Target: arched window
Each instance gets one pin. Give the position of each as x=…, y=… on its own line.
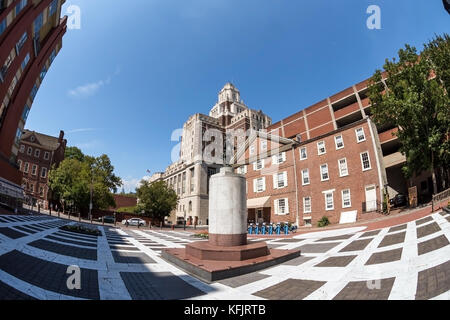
x=190, y=206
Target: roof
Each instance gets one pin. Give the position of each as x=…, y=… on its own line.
x=44, y=140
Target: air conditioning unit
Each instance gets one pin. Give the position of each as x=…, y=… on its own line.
x=299, y=138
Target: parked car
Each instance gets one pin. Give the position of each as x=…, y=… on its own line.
x=107, y=219
x=398, y=200
x=134, y=222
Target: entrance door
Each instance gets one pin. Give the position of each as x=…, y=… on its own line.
x=371, y=198
x=259, y=216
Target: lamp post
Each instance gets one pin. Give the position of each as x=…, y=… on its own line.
x=184, y=221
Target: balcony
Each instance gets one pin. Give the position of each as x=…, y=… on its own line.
x=388, y=135
x=346, y=111
x=393, y=159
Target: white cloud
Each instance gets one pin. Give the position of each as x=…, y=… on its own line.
x=81, y=130
x=87, y=90
x=131, y=184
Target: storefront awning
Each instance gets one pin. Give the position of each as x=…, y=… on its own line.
x=255, y=203
x=10, y=189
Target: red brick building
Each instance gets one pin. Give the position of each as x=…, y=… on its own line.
x=31, y=34
x=38, y=153
x=330, y=160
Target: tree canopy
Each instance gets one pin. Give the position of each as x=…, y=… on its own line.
x=414, y=97
x=72, y=179
x=156, y=199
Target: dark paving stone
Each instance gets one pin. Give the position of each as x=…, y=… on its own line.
x=115, y=247
x=366, y=290
x=297, y=261
x=317, y=247
x=131, y=257
x=49, y=275
x=398, y=228
x=424, y=220
x=72, y=237
x=158, y=286
x=33, y=227
x=432, y=244
x=443, y=213
x=11, y=233
x=289, y=240
x=290, y=289
x=448, y=219
x=10, y=219
x=343, y=237
x=433, y=282
x=243, y=280
x=82, y=253
x=339, y=261
x=24, y=229
x=370, y=233
x=356, y=245
x=3, y=220
x=385, y=256
x=9, y=293
x=79, y=243
x=427, y=230
x=392, y=239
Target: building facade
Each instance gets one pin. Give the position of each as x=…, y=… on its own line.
x=31, y=34
x=203, y=139
x=38, y=153
x=329, y=159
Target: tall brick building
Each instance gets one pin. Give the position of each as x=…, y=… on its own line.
x=330, y=160
x=38, y=153
x=31, y=34
x=199, y=159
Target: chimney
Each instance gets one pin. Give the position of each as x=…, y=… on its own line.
x=61, y=136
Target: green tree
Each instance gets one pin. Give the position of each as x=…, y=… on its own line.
x=156, y=199
x=74, y=153
x=414, y=98
x=73, y=178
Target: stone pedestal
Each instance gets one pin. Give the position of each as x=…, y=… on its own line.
x=227, y=252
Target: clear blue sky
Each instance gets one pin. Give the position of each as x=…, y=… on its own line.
x=133, y=74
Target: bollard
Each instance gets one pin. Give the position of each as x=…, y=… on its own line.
x=257, y=229
x=250, y=228
x=278, y=228
x=263, y=228
x=286, y=228
x=270, y=228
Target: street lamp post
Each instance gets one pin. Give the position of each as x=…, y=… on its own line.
x=184, y=221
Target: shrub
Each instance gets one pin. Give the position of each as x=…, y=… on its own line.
x=323, y=222
x=78, y=228
x=202, y=234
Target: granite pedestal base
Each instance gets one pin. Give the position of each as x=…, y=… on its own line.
x=211, y=263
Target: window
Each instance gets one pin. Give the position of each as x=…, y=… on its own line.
x=25, y=113
x=281, y=206
x=22, y=4
x=305, y=177
x=41, y=191
x=37, y=153
x=21, y=42
x=321, y=148
x=29, y=151
x=52, y=7
x=26, y=167
x=365, y=161
x=307, y=205
x=32, y=187
x=263, y=145
x=346, y=202
x=360, y=136
x=339, y=141
x=252, y=150
x=343, y=169
x=280, y=180
x=25, y=61
x=52, y=56
x=46, y=155
x=279, y=158
x=34, y=91
x=43, y=72
x=43, y=172
x=19, y=163
x=329, y=202
x=259, y=185
x=192, y=186
x=258, y=165
x=18, y=135
x=303, y=154
x=324, y=172
x=22, y=149
x=242, y=169
x=38, y=23
x=34, y=169
x=2, y=26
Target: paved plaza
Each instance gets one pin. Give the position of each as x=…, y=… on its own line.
x=410, y=261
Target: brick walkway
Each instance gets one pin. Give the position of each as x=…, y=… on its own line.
x=401, y=257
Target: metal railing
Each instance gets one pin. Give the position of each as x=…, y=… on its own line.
x=438, y=198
